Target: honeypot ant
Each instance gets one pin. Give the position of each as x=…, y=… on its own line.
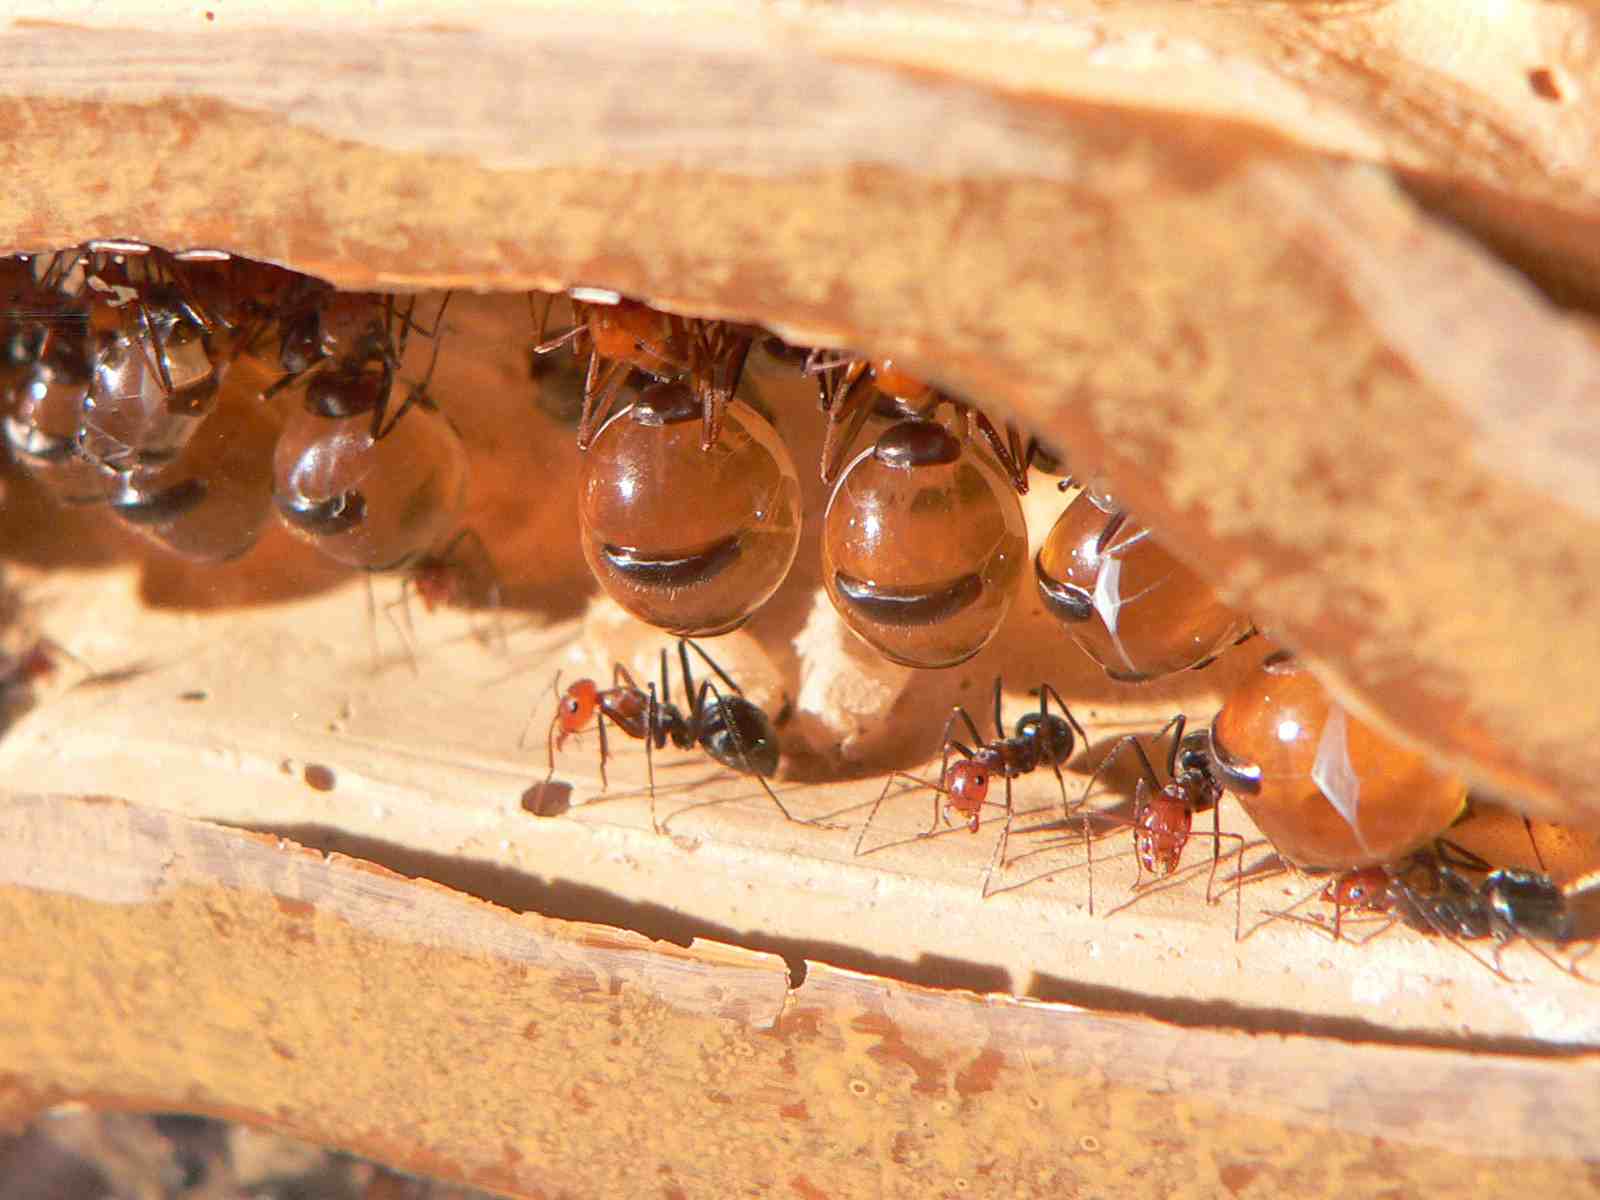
x=1163, y=813
x=1040, y=738
x=731, y=729
x=622, y=335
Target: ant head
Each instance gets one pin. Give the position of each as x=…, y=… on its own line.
x=1367, y=888
x=576, y=707
x=967, y=783
x=38, y=662
x=435, y=581
x=1162, y=821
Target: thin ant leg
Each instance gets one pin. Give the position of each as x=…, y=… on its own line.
x=1012, y=465
x=706, y=686
x=850, y=408
x=1538, y=854
x=884, y=794
x=999, y=724
x=652, y=719
x=419, y=393
x=601, y=386
x=998, y=858
x=522, y=742
x=372, y=618
x=1088, y=788
x=819, y=366
x=403, y=603
x=1422, y=910
x=727, y=680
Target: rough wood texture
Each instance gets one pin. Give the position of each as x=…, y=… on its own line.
x=1117, y=219
x=231, y=973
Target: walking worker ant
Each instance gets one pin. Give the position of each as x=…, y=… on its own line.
x=731, y=729
x=1163, y=813
x=1041, y=738
x=1430, y=892
x=622, y=336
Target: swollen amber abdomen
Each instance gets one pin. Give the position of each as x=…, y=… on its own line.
x=922, y=545
x=692, y=541
x=1129, y=605
x=1326, y=789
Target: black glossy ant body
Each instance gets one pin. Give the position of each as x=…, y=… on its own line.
x=1040, y=738
x=728, y=727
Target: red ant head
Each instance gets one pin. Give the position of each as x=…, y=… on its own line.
x=967, y=783
x=576, y=708
x=38, y=663
x=1161, y=826
x=1367, y=888
x=435, y=583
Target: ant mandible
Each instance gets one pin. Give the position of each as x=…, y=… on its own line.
x=731, y=729
x=1041, y=738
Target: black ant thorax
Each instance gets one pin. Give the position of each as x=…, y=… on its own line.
x=1049, y=736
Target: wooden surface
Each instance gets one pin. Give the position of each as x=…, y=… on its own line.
x=232, y=973
x=1335, y=405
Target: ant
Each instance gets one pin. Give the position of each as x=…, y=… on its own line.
x=898, y=394
x=1163, y=813
x=729, y=728
x=622, y=335
x=1430, y=893
x=1041, y=738
x=444, y=577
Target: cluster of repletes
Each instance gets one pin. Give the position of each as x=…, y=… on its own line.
x=141, y=379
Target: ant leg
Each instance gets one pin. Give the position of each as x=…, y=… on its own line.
x=605, y=750
x=1538, y=854
x=848, y=412
x=403, y=603
x=522, y=742
x=1011, y=465
x=884, y=795
x=709, y=661
x=372, y=618
x=600, y=390
x=1088, y=789
x=652, y=714
x=997, y=860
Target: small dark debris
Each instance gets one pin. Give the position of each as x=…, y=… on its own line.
x=1544, y=84
x=197, y=696
x=320, y=778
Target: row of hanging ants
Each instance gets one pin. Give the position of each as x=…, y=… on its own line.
x=115, y=361
x=114, y=357
x=1440, y=888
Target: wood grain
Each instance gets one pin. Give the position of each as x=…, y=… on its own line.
x=197, y=967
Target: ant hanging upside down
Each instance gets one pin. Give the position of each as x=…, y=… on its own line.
x=728, y=727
